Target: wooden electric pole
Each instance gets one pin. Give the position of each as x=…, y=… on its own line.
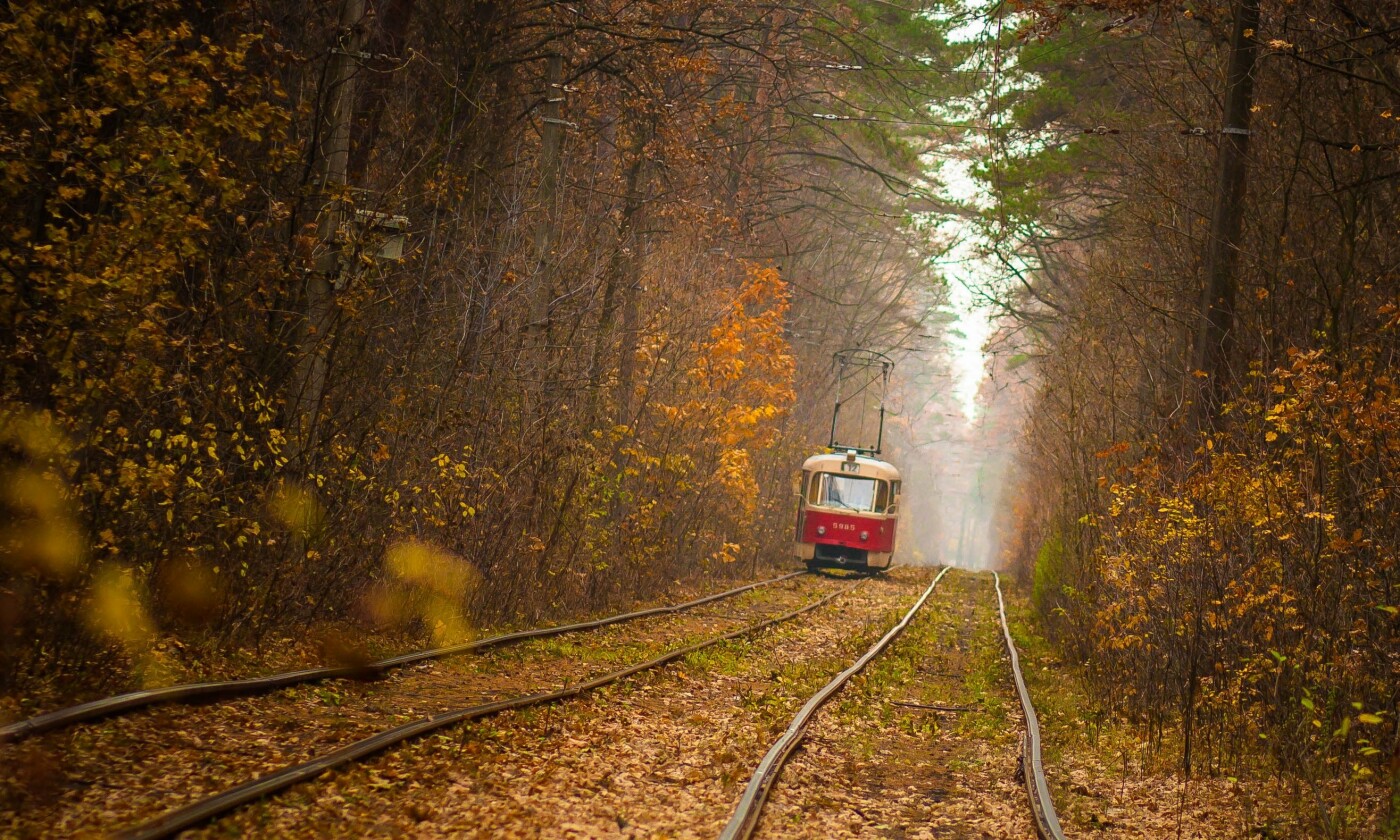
x=551, y=157
x=1211, y=353
x=337, y=108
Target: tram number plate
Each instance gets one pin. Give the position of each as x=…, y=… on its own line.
x=850, y=466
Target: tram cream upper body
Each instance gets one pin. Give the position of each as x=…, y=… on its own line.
x=851, y=464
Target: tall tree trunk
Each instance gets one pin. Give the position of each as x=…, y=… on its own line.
x=622, y=271
x=630, y=282
x=547, y=200
x=388, y=29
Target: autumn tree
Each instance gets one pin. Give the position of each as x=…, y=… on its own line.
x=233, y=406
x=1232, y=577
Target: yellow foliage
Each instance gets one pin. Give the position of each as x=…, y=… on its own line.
x=430, y=568
x=434, y=585
x=117, y=608
x=1253, y=562
x=39, y=532
x=297, y=508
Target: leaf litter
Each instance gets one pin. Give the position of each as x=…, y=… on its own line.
x=664, y=754
x=91, y=779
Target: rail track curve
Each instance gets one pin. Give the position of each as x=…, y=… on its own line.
x=206, y=692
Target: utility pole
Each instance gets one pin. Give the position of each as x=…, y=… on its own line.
x=551, y=156
x=337, y=108
x=1211, y=354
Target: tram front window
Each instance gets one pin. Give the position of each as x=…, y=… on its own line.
x=847, y=492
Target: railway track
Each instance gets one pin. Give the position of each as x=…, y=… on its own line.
x=849, y=627
x=206, y=692
x=745, y=818
x=578, y=677
x=205, y=809
x=1047, y=822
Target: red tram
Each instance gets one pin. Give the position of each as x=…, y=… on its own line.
x=849, y=499
x=847, y=515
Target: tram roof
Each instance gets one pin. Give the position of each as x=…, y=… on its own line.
x=865, y=465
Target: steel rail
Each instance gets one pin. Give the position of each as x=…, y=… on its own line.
x=224, y=689
x=745, y=817
x=210, y=807
x=1047, y=823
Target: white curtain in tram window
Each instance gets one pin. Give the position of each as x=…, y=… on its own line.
x=849, y=492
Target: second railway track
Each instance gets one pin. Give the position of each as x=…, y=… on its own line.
x=94, y=778
x=656, y=737
x=227, y=689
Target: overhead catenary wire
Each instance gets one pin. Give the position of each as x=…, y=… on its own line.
x=996, y=74
x=1099, y=130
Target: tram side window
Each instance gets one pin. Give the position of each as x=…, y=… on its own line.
x=882, y=496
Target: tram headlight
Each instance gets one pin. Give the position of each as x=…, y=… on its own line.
x=821, y=530
x=864, y=535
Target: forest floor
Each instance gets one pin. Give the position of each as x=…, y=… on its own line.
x=662, y=754
x=1112, y=780
x=922, y=744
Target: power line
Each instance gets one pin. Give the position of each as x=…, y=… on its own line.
x=1097, y=130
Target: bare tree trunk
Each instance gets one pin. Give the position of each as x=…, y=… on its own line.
x=388, y=22
x=621, y=277
x=551, y=148
x=627, y=361
x=630, y=281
